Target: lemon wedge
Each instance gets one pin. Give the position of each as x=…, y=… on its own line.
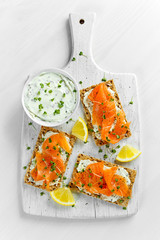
x=63, y=196
x=128, y=153
x=80, y=129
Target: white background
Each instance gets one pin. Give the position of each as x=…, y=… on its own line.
x=35, y=35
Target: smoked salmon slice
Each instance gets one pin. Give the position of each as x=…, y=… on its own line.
x=49, y=162
x=55, y=140
x=96, y=179
x=111, y=121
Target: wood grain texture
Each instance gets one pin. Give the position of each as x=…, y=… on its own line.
x=86, y=70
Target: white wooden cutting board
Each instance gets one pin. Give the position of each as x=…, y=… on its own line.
x=86, y=70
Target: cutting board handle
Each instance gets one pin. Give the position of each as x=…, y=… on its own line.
x=81, y=31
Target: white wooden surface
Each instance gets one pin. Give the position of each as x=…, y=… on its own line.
x=35, y=35
x=84, y=69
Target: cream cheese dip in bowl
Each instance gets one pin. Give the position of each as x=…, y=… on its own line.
x=50, y=97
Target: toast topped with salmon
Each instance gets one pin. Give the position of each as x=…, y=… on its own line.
x=49, y=159
x=104, y=113
x=101, y=179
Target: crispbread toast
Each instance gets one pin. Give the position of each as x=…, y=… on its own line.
x=43, y=131
x=122, y=201
x=111, y=85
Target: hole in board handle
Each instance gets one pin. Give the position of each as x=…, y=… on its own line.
x=81, y=21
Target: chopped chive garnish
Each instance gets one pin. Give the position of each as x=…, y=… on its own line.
x=118, y=146
x=40, y=106
x=39, y=99
x=112, y=99
x=47, y=147
x=102, y=103
x=113, y=150
x=100, y=150
x=91, y=130
x=90, y=184
x=64, y=178
x=104, y=79
x=104, y=117
x=50, y=91
x=50, y=140
x=116, y=179
x=131, y=102
x=108, y=139
x=48, y=84
x=105, y=156
x=112, y=190
x=45, y=113
x=82, y=184
x=52, y=99
x=45, y=90
x=129, y=197
x=59, y=85
x=28, y=148
x=101, y=186
x=67, y=154
x=118, y=114
x=42, y=139
x=38, y=93
x=118, y=136
x=43, y=159
x=107, y=145
x=57, y=111
x=44, y=175
x=118, y=187
x=73, y=59
x=35, y=99
x=42, y=193
x=25, y=167
x=81, y=53
x=80, y=82
x=63, y=95
x=42, y=85
x=124, y=208
x=45, y=167
x=30, y=123
x=74, y=90
x=60, y=104
x=54, y=147
x=52, y=168
x=76, y=165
